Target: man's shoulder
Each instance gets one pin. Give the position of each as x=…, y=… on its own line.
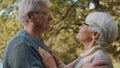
x=21, y=36
x=17, y=39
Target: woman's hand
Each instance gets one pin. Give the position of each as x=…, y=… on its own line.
x=54, y=55
x=47, y=58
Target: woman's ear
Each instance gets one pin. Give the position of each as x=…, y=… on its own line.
x=95, y=35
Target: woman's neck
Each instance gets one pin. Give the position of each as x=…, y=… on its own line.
x=88, y=45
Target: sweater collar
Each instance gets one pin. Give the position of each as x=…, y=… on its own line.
x=86, y=53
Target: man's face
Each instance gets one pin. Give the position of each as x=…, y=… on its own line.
x=42, y=18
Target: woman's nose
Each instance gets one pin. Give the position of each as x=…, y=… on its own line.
x=80, y=26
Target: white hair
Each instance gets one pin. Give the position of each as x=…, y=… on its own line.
x=26, y=6
x=103, y=24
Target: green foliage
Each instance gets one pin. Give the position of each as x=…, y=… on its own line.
x=67, y=16
x=9, y=23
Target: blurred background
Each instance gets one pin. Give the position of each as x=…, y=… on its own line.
x=68, y=15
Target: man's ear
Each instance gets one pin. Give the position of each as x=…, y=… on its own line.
x=29, y=16
x=95, y=35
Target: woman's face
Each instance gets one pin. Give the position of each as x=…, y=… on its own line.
x=84, y=34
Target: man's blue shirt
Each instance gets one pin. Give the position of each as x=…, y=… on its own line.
x=22, y=52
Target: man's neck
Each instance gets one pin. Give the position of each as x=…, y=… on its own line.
x=34, y=32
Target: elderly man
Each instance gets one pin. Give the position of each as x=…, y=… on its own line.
x=22, y=50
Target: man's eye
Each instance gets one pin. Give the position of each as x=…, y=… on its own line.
x=45, y=13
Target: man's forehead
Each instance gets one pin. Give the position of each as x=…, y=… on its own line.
x=44, y=6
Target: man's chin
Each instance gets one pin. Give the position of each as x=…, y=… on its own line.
x=46, y=30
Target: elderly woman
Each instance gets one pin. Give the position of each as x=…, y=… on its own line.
x=98, y=31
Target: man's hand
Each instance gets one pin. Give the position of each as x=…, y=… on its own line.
x=98, y=64
x=47, y=59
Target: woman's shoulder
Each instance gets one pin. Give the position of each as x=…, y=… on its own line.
x=102, y=55
x=100, y=52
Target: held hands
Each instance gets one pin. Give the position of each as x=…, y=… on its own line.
x=47, y=58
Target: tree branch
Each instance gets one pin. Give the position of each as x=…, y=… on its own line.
x=69, y=10
x=65, y=27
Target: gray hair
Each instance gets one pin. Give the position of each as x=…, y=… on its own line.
x=103, y=24
x=26, y=6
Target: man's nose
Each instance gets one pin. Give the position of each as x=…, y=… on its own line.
x=50, y=17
